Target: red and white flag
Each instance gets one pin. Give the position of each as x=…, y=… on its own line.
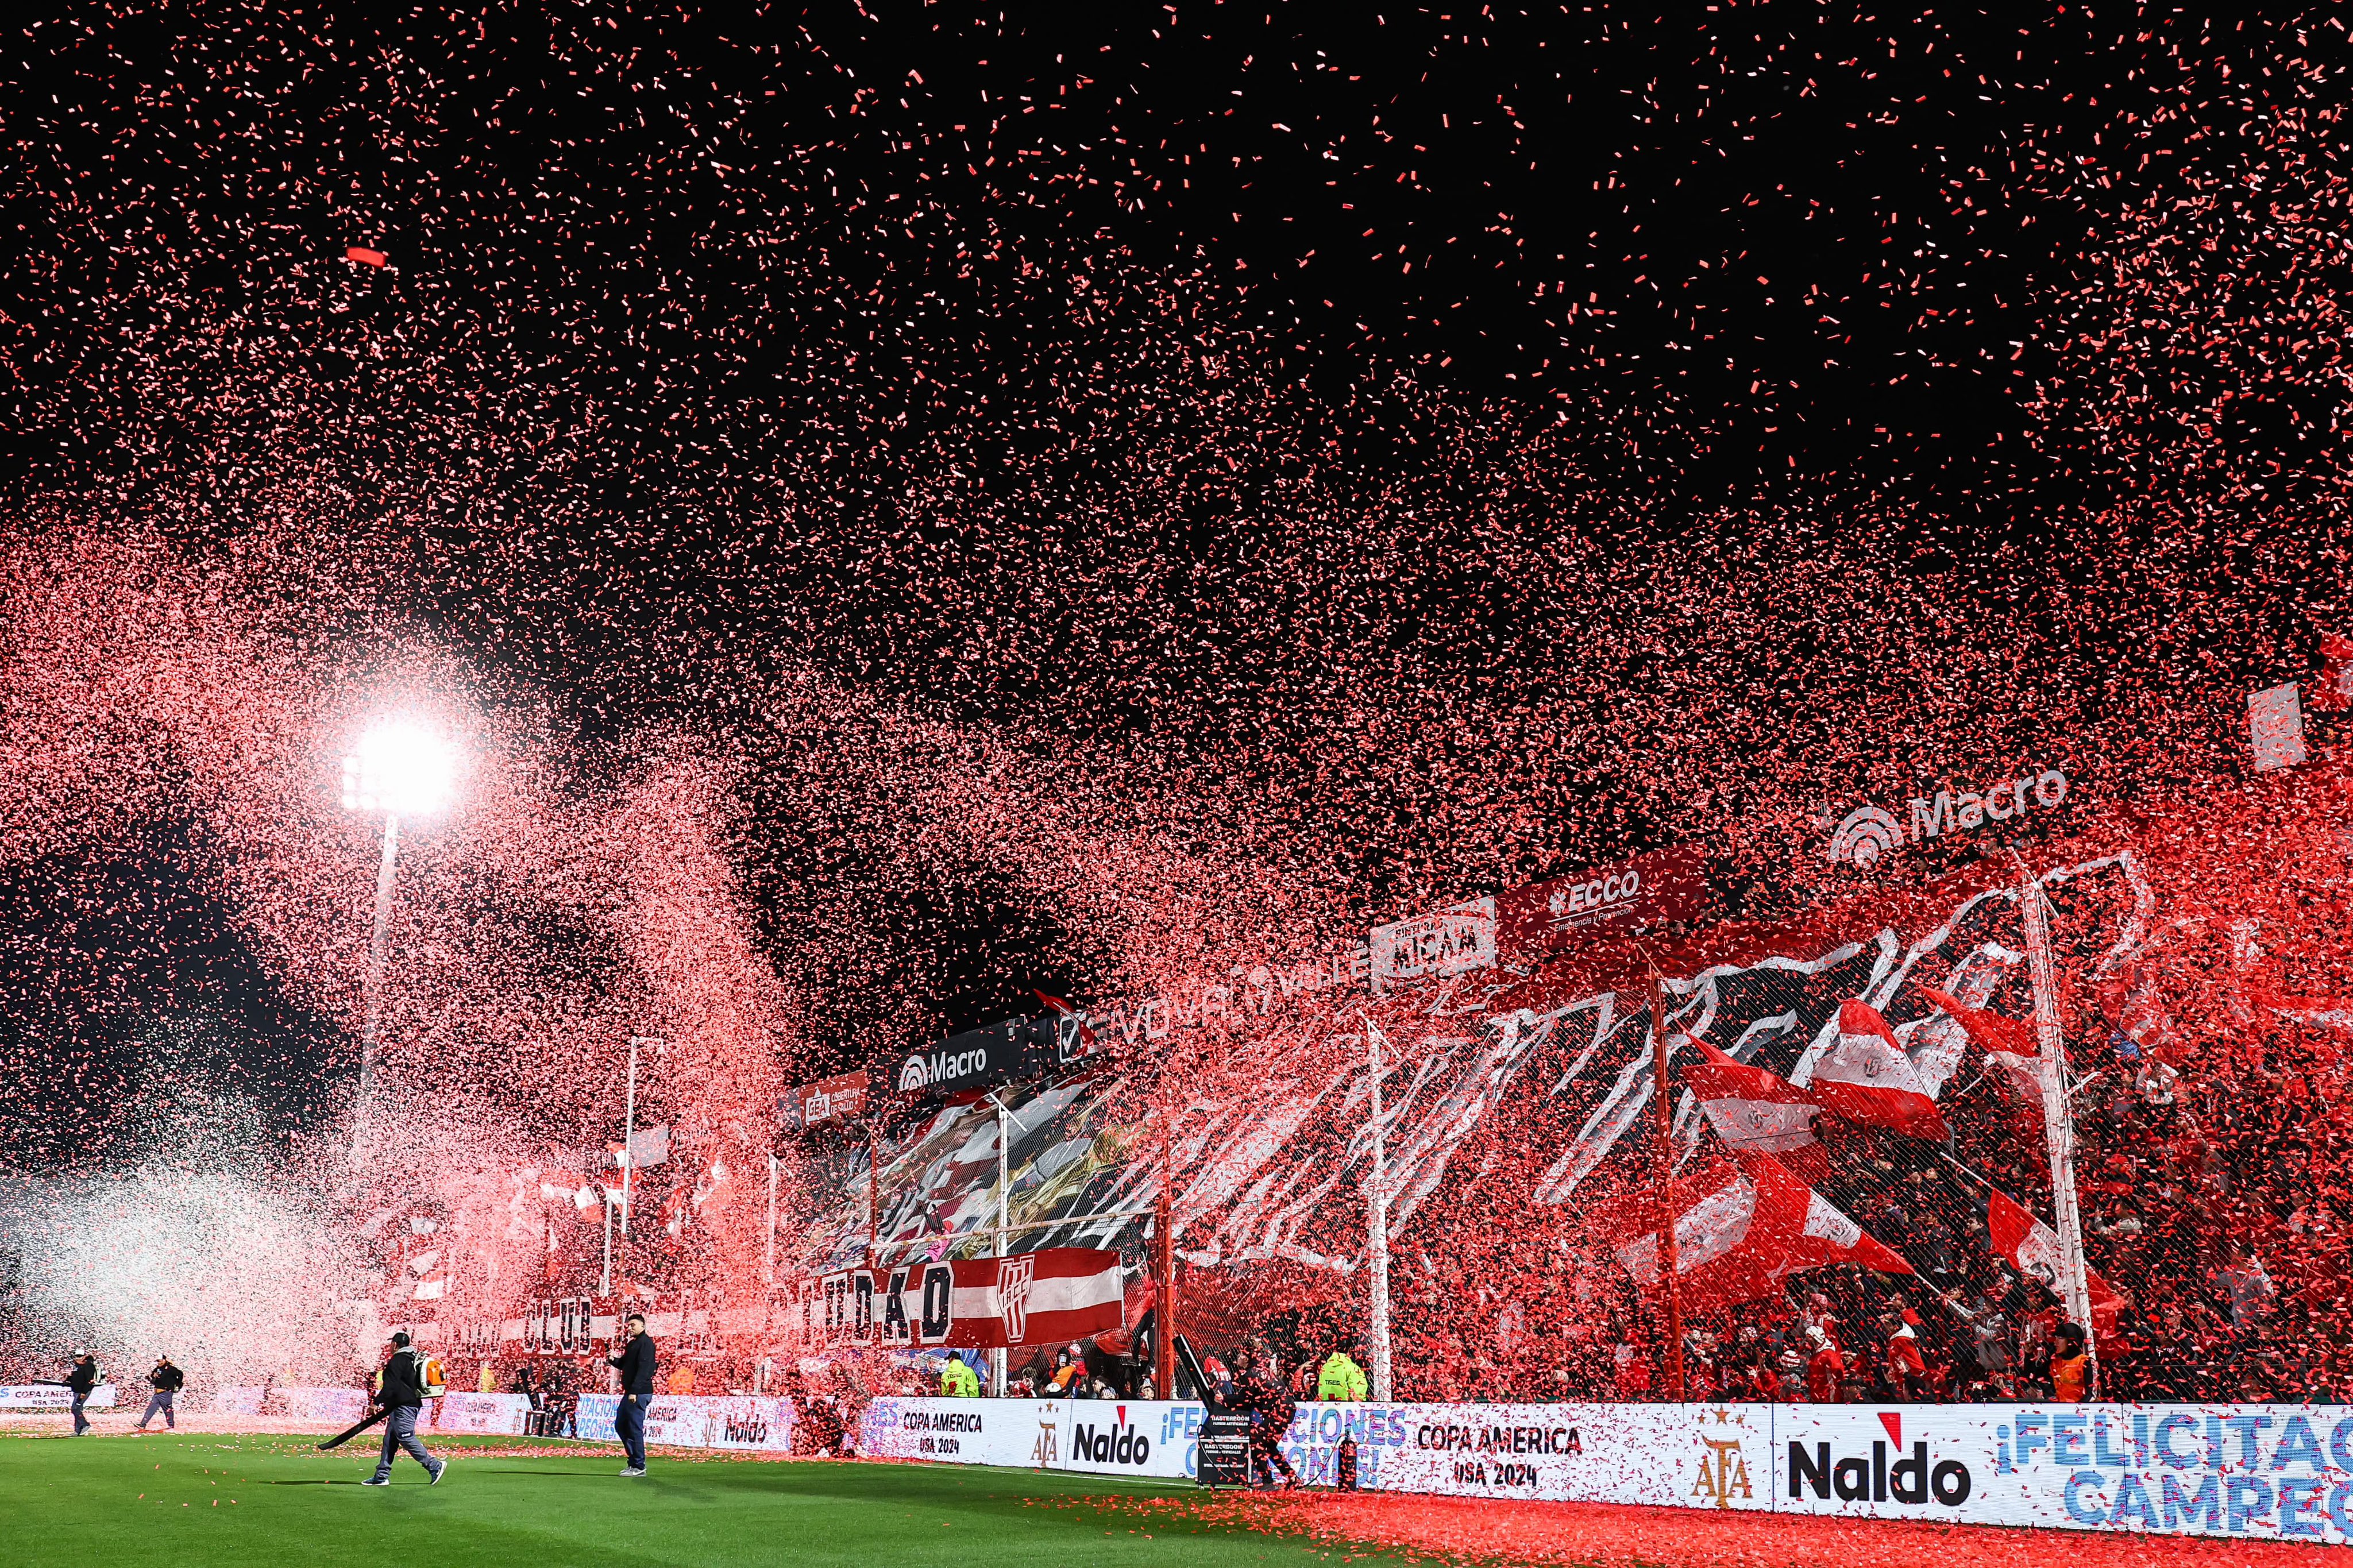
x=1738, y=1242
x=1051, y=1296
x=1753, y=1110
x=2009, y=1044
x=1867, y=1077
x=2032, y=1248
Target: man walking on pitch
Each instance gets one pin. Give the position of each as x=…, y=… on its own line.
x=401, y=1390
x=636, y=1364
x=167, y=1381
x=80, y=1381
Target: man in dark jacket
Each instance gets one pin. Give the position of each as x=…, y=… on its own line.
x=1271, y=1409
x=81, y=1380
x=167, y=1381
x=636, y=1366
x=401, y=1390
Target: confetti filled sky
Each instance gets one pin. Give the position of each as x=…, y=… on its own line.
x=925, y=502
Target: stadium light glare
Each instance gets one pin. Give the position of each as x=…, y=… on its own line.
x=401, y=769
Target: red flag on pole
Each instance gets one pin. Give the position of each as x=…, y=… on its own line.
x=2333, y=693
x=1753, y=1110
x=1867, y=1077
x=2009, y=1043
x=2032, y=1248
x=1739, y=1241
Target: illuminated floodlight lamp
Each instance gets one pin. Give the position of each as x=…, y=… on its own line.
x=400, y=769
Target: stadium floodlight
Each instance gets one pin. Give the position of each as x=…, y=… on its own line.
x=401, y=769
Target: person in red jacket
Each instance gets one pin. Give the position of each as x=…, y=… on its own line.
x=1825, y=1370
x=1907, y=1370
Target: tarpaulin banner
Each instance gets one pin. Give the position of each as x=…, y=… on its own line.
x=1624, y=898
x=828, y=1100
x=1453, y=940
x=2248, y=1471
x=1051, y=1296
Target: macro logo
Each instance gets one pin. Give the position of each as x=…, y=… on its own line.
x=920, y=1071
x=1865, y=835
x=1869, y=832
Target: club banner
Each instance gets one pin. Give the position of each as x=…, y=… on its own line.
x=1051, y=1296
x=825, y=1102
x=52, y=1396
x=2241, y=1471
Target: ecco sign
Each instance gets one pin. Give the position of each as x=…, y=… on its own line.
x=1867, y=832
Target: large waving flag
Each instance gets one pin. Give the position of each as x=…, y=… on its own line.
x=1868, y=1079
x=2009, y=1043
x=1754, y=1111
x=2032, y=1248
x=1739, y=1241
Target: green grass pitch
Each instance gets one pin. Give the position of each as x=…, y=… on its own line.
x=196, y=1500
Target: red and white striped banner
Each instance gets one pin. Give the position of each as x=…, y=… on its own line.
x=1048, y=1297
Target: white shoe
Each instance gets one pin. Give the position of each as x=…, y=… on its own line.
x=633, y=1470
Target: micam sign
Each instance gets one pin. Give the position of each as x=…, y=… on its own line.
x=1869, y=832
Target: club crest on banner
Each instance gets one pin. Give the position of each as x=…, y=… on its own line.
x=1014, y=1278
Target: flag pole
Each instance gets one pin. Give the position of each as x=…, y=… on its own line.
x=768, y=1255
x=997, y=1357
x=1664, y=1121
x=1164, y=1255
x=2058, y=1119
x=1376, y=1227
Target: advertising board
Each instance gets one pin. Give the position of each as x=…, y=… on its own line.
x=2242, y=1471
x=52, y=1396
x=500, y=1412
x=696, y=1421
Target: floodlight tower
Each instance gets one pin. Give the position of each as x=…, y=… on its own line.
x=400, y=769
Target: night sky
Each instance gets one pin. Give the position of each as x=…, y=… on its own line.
x=1419, y=451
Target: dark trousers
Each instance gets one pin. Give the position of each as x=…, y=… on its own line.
x=399, y=1438
x=160, y=1400
x=1266, y=1455
x=629, y=1426
x=81, y=1422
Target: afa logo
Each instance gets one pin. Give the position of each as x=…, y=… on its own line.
x=1723, y=1463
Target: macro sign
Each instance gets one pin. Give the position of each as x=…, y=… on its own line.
x=1869, y=832
x=975, y=1059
